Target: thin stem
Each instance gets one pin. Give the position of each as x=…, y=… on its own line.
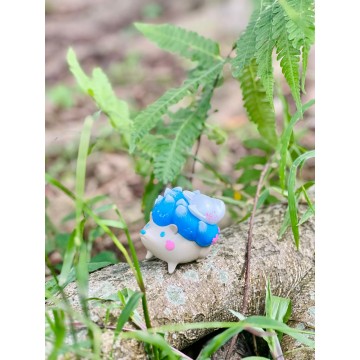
x=249, y=241
x=244, y=305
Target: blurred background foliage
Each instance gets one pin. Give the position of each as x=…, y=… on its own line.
x=229, y=158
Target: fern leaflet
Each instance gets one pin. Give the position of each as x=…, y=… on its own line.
x=264, y=48
x=301, y=28
x=187, y=126
x=259, y=109
x=99, y=88
x=117, y=110
x=287, y=54
x=245, y=45
x=183, y=42
x=149, y=117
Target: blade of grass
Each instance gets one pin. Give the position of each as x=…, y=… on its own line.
x=307, y=215
x=218, y=341
x=137, y=269
x=130, y=306
x=80, y=175
x=153, y=339
x=308, y=199
x=251, y=321
x=134, y=265
x=263, y=322
x=81, y=269
x=63, y=297
x=286, y=222
x=82, y=278
x=68, y=259
x=292, y=197
x=285, y=139
x=98, y=221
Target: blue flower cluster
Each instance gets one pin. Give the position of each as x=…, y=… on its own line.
x=173, y=209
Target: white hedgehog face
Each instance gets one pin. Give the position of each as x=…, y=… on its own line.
x=153, y=234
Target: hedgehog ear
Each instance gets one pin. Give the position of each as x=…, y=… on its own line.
x=173, y=228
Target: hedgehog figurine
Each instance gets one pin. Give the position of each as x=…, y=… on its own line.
x=182, y=226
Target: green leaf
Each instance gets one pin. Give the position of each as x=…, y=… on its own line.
x=81, y=78
x=68, y=259
x=262, y=198
x=153, y=339
x=285, y=224
x=130, y=306
x=276, y=307
x=246, y=44
x=182, y=42
x=113, y=223
x=256, y=103
x=257, y=144
x=104, y=257
x=291, y=194
x=82, y=277
x=250, y=160
x=215, y=133
x=307, y=215
x=248, y=176
x=117, y=110
x=264, y=48
x=301, y=28
x=216, y=342
x=80, y=177
x=266, y=323
x=58, y=328
x=62, y=240
x=100, y=89
x=104, y=208
x=310, y=210
x=152, y=191
x=285, y=140
x=149, y=117
x=288, y=55
x=186, y=127
x=309, y=202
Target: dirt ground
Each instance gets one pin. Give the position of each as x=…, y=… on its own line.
x=101, y=33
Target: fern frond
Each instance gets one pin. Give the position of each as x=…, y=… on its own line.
x=117, y=110
x=305, y=57
x=100, y=89
x=81, y=78
x=149, y=117
x=265, y=44
x=168, y=163
x=151, y=145
x=256, y=103
x=287, y=54
x=300, y=24
x=186, y=126
x=186, y=43
x=301, y=28
x=245, y=46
